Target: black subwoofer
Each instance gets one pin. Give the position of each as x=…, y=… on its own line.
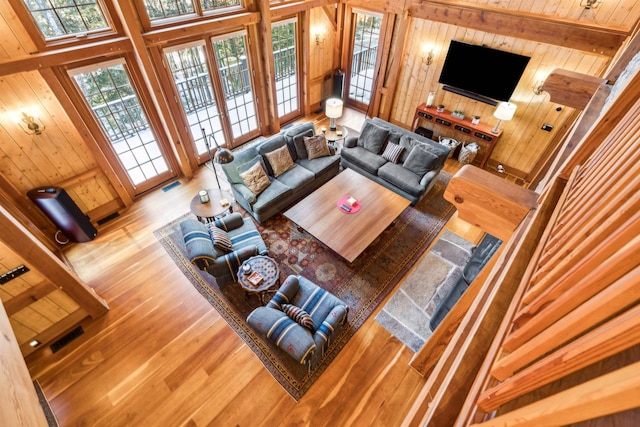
x=60, y=208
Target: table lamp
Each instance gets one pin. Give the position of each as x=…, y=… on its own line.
x=505, y=111
x=333, y=110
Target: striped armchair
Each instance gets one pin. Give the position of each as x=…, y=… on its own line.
x=223, y=265
x=283, y=321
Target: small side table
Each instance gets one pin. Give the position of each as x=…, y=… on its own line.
x=332, y=135
x=210, y=211
x=268, y=268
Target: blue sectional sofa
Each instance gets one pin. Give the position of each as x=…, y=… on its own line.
x=398, y=159
x=287, y=188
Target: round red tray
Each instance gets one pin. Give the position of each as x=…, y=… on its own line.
x=343, y=201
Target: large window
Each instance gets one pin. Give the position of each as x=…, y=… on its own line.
x=365, y=39
x=115, y=104
x=61, y=18
x=283, y=35
x=190, y=72
x=160, y=9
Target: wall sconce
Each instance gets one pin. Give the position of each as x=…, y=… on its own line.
x=319, y=35
x=427, y=54
x=537, y=87
x=31, y=125
x=428, y=59
x=590, y=4
x=505, y=111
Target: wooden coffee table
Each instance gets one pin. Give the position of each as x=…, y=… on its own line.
x=348, y=234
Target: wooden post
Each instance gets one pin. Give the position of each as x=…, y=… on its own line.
x=33, y=252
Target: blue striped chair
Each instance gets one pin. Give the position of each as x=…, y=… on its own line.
x=245, y=240
x=305, y=345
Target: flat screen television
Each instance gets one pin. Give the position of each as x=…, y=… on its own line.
x=482, y=70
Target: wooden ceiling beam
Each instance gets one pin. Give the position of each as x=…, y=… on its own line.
x=574, y=35
x=213, y=26
x=38, y=61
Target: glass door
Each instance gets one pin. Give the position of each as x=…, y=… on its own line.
x=192, y=79
x=285, y=61
x=116, y=106
x=365, y=38
x=233, y=71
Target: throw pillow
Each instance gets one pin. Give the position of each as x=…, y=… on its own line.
x=220, y=238
x=316, y=146
x=373, y=137
x=298, y=142
x=280, y=160
x=299, y=315
x=420, y=161
x=255, y=178
x=392, y=152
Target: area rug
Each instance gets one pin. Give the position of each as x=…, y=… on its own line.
x=362, y=285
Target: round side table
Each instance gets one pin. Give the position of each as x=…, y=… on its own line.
x=213, y=209
x=265, y=267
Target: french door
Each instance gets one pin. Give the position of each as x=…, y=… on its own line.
x=365, y=41
x=284, y=38
x=214, y=86
x=113, y=100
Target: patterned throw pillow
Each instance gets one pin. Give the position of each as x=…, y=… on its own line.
x=256, y=178
x=220, y=238
x=392, y=152
x=316, y=146
x=280, y=160
x=299, y=315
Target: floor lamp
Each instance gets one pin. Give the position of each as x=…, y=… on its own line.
x=222, y=155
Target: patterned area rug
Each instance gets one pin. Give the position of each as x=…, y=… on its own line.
x=362, y=285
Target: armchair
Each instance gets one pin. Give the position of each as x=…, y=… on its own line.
x=222, y=265
x=303, y=344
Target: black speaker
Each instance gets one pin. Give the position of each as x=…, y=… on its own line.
x=60, y=208
x=338, y=84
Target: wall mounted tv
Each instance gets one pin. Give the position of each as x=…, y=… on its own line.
x=481, y=73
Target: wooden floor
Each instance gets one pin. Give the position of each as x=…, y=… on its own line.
x=162, y=356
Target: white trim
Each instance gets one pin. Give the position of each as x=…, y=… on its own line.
x=367, y=12
x=293, y=20
x=229, y=35
x=183, y=46
x=93, y=67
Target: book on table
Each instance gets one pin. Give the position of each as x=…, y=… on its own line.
x=256, y=278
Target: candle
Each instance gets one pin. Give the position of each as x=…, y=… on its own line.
x=431, y=98
x=204, y=196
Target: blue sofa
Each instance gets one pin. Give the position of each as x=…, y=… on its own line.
x=304, y=344
x=411, y=174
x=288, y=188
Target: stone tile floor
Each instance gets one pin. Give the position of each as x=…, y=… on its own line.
x=408, y=312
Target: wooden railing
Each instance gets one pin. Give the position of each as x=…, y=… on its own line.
x=576, y=323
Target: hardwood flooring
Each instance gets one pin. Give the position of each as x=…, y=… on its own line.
x=163, y=356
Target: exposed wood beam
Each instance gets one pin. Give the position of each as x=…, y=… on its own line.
x=297, y=7
x=39, y=61
x=35, y=254
x=201, y=27
x=19, y=404
x=586, y=38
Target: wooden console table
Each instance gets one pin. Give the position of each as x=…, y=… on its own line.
x=480, y=133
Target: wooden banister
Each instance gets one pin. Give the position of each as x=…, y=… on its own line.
x=489, y=202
